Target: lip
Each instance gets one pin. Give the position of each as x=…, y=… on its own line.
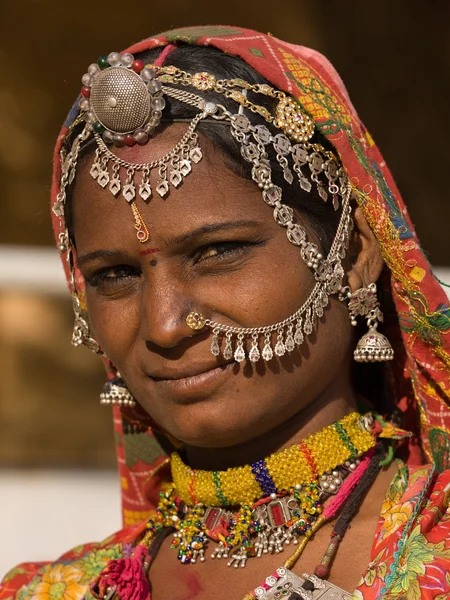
x=197, y=382
x=192, y=372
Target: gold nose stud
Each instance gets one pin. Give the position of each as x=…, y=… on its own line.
x=195, y=321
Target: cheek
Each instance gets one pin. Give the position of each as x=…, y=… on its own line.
x=114, y=324
x=269, y=289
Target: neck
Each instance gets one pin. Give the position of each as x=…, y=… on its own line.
x=326, y=409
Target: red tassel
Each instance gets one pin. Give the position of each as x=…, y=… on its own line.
x=126, y=576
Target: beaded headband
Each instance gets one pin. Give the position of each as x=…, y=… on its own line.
x=121, y=103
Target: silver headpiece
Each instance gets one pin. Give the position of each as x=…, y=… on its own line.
x=122, y=103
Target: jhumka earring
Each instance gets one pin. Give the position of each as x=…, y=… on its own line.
x=373, y=346
x=116, y=392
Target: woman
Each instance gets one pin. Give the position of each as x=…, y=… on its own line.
x=223, y=321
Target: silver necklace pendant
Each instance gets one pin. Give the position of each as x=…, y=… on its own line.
x=285, y=584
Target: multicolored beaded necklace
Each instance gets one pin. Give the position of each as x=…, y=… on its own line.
x=243, y=532
x=127, y=578
x=259, y=508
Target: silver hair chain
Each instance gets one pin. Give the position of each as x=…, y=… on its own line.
x=81, y=333
x=328, y=272
x=310, y=164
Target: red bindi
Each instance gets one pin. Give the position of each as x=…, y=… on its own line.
x=149, y=251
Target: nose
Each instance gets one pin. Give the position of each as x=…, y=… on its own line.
x=163, y=312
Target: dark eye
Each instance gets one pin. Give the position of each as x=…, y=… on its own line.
x=112, y=276
x=221, y=250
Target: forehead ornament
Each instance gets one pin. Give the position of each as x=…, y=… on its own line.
x=121, y=103
x=111, y=91
x=293, y=121
x=121, y=99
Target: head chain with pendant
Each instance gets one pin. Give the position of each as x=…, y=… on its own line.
x=121, y=103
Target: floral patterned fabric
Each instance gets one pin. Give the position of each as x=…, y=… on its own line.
x=410, y=557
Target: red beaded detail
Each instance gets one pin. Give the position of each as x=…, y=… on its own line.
x=137, y=66
x=266, y=585
x=129, y=140
x=86, y=91
x=321, y=571
x=309, y=459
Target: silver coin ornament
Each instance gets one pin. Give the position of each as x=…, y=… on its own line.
x=121, y=99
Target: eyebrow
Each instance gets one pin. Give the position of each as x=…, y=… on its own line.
x=212, y=228
x=99, y=254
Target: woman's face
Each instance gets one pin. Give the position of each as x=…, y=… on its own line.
x=216, y=249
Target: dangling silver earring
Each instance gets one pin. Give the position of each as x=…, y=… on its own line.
x=81, y=334
x=116, y=392
x=373, y=346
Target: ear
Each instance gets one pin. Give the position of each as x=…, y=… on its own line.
x=368, y=263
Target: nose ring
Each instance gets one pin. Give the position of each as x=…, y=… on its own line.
x=195, y=321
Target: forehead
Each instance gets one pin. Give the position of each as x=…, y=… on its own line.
x=209, y=194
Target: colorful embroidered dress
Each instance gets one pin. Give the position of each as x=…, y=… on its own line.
x=411, y=551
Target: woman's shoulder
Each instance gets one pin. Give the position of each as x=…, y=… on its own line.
x=71, y=575
x=411, y=552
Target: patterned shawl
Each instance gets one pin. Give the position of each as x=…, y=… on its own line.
x=421, y=370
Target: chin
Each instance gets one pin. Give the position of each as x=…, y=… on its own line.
x=202, y=427
x=213, y=439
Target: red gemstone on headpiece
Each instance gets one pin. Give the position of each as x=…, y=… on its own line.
x=129, y=140
x=137, y=66
x=86, y=92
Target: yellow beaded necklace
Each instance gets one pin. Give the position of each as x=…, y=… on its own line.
x=257, y=508
x=298, y=465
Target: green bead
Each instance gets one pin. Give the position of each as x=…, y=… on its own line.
x=98, y=128
x=103, y=62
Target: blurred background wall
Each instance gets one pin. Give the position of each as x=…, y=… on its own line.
x=395, y=60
